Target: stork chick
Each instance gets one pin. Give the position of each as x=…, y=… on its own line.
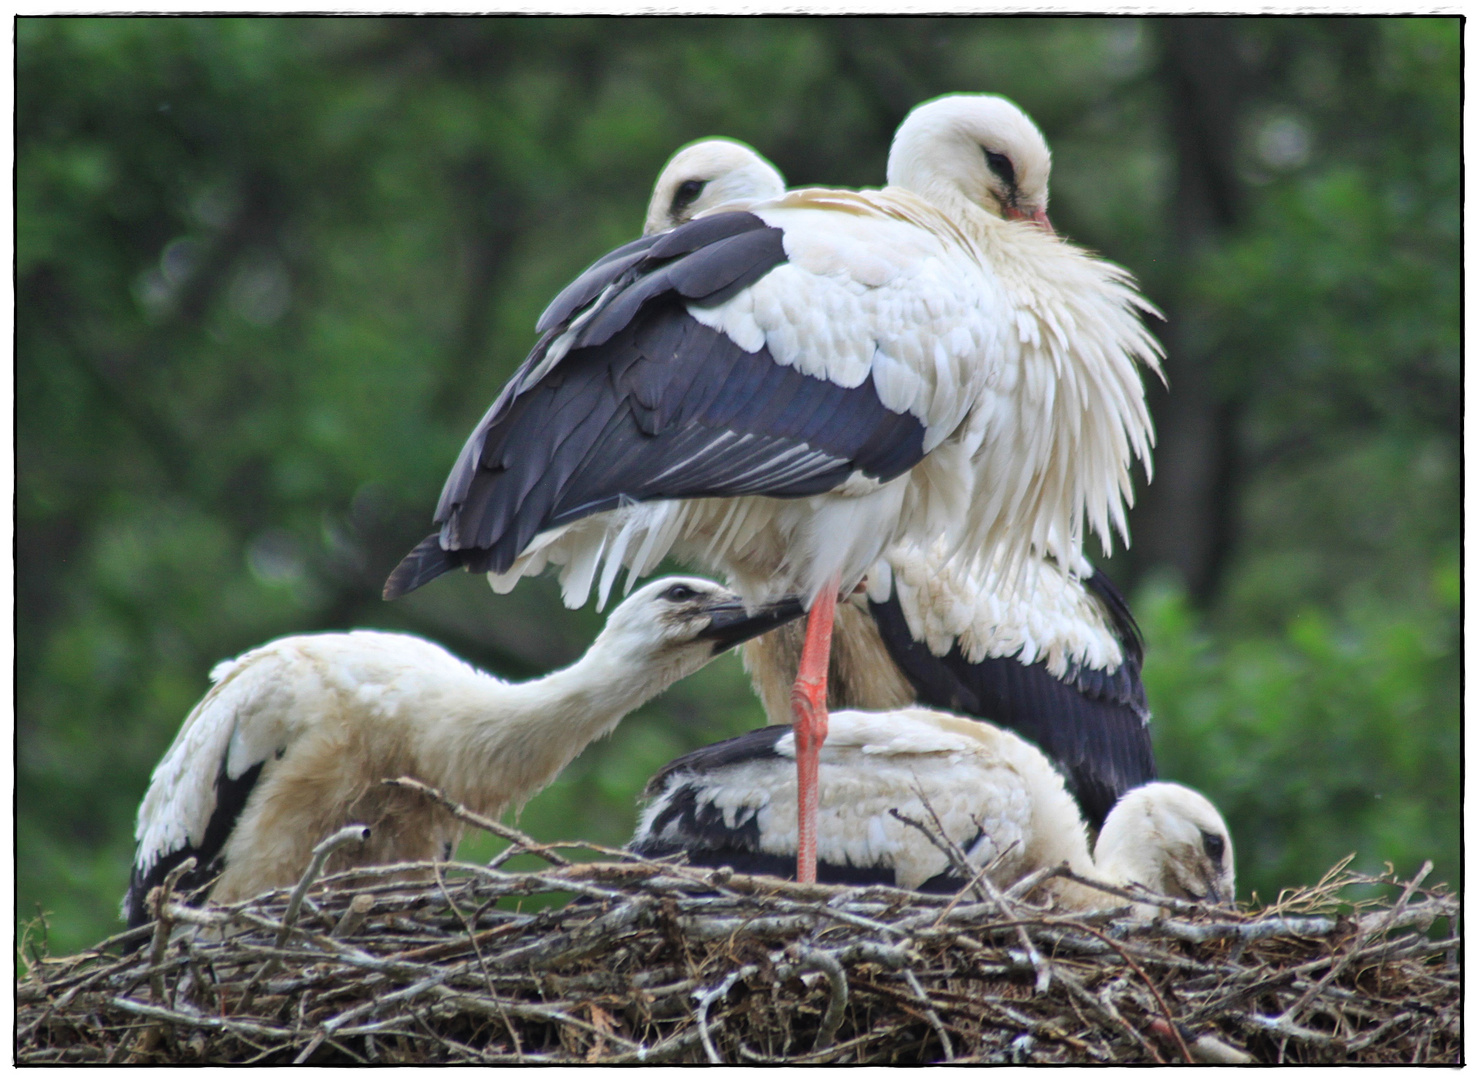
x=995, y=795
x=294, y=738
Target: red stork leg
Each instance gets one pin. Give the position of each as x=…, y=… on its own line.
x=808, y=703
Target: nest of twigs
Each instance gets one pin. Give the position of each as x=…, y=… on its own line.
x=657, y=962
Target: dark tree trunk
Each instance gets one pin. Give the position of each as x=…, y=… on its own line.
x=1185, y=518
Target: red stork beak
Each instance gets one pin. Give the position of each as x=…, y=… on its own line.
x=1038, y=216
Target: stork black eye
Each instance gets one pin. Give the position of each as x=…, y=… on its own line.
x=1001, y=165
x=687, y=193
x=1215, y=846
x=678, y=593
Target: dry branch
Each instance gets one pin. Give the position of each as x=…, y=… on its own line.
x=660, y=962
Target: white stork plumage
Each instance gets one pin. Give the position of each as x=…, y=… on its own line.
x=785, y=391
x=994, y=794
x=292, y=741
x=1058, y=662
x=1055, y=659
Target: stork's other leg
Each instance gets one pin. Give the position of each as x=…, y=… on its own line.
x=808, y=703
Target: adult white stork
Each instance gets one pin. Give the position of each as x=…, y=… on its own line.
x=1057, y=660
x=292, y=741
x=786, y=391
x=994, y=795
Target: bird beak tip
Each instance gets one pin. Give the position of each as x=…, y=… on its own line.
x=730, y=624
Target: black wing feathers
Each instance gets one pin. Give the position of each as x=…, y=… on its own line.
x=638, y=419
x=604, y=272
x=426, y=562
x=231, y=796
x=689, y=823
x=704, y=231
x=648, y=403
x=745, y=861
x=1123, y=685
x=741, y=255
x=1092, y=725
x=757, y=745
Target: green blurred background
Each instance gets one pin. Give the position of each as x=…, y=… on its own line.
x=270, y=273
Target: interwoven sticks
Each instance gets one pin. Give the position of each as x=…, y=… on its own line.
x=658, y=962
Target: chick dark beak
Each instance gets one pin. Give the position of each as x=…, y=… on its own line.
x=730, y=624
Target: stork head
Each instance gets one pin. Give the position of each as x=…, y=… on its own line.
x=977, y=146
x=706, y=174
x=678, y=624
x=1171, y=840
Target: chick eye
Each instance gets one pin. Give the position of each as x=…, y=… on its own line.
x=687, y=193
x=1214, y=846
x=678, y=593
x=1001, y=165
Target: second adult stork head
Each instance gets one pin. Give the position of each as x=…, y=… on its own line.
x=294, y=738
x=706, y=174
x=1055, y=658
x=783, y=392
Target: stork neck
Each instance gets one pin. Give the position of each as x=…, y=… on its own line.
x=1113, y=864
x=1123, y=857
x=526, y=733
x=597, y=690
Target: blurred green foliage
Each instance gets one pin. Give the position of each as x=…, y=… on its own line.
x=1335, y=734
x=271, y=271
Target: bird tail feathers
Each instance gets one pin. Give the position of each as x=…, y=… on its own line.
x=426, y=562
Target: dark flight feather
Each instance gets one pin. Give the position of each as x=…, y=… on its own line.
x=690, y=824
x=1092, y=725
x=231, y=797
x=648, y=403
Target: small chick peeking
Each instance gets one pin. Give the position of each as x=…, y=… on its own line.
x=294, y=738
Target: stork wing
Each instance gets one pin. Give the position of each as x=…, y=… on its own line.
x=202, y=784
x=1091, y=722
x=731, y=804
x=692, y=812
x=631, y=397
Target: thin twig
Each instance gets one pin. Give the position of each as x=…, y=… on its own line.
x=929, y=1014
x=1291, y=1013
x=952, y=853
x=321, y=851
x=497, y=828
x=1039, y=965
x=349, y=834
x=1137, y=894
x=1024, y=887
x=836, y=1006
x=706, y=998
x=354, y=916
x=158, y=899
